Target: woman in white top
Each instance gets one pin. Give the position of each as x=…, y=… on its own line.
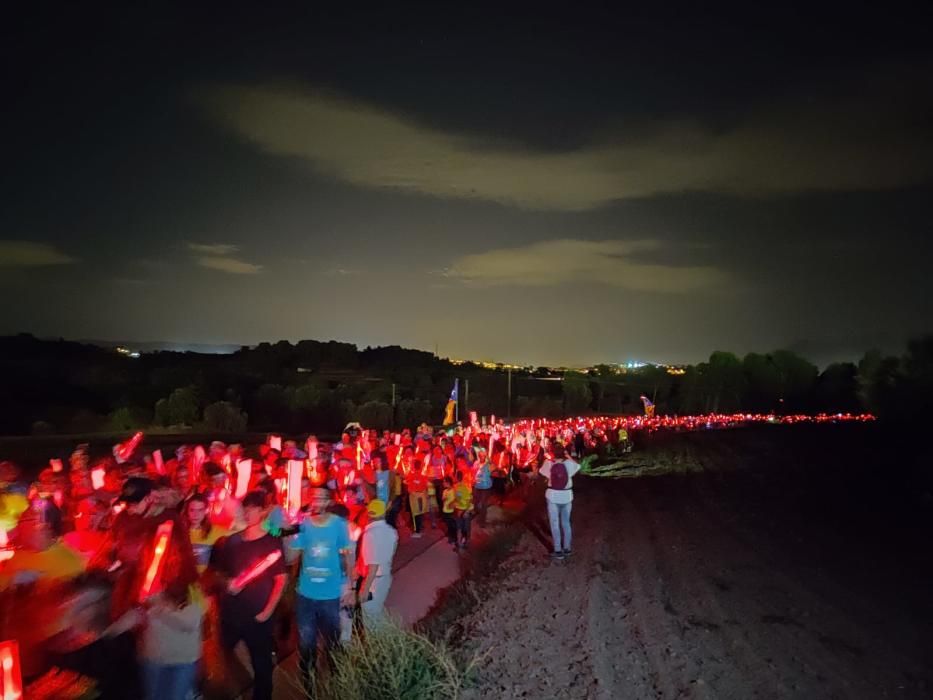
x=559, y=470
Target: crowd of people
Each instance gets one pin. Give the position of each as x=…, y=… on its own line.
x=145, y=573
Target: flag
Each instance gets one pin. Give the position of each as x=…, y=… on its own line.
x=451, y=408
x=649, y=407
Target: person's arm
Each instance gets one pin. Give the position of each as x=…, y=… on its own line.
x=297, y=542
x=278, y=588
x=132, y=618
x=367, y=582
x=348, y=597
x=186, y=619
x=366, y=554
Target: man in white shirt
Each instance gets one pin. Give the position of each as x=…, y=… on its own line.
x=377, y=549
x=559, y=470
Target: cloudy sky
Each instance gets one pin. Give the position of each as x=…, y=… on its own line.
x=566, y=189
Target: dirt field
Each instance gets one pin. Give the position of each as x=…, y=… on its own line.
x=782, y=569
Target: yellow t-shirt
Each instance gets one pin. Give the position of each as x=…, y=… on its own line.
x=449, y=498
x=463, y=497
x=12, y=505
x=203, y=546
x=55, y=563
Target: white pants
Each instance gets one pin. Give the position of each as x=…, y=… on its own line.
x=374, y=610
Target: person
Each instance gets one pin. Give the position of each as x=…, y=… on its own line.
x=417, y=484
x=436, y=470
x=624, y=444
x=448, y=499
x=382, y=477
x=224, y=510
x=579, y=443
x=34, y=580
x=482, y=485
x=559, y=471
x=182, y=483
x=247, y=603
x=131, y=538
x=396, y=501
x=42, y=557
x=129, y=546
x=171, y=644
x=377, y=549
x=463, y=509
x=500, y=474
x=324, y=542
x=203, y=533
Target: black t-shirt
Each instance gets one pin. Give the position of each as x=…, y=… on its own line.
x=235, y=556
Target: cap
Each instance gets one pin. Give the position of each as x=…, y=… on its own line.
x=134, y=490
x=376, y=508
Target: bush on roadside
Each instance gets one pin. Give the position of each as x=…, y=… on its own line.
x=391, y=663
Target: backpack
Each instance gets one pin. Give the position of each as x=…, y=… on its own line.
x=559, y=477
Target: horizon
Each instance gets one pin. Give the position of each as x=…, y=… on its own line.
x=230, y=348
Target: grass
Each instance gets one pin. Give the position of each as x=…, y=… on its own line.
x=391, y=663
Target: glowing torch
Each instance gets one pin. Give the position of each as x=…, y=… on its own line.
x=5, y=553
x=159, y=462
x=12, y=686
x=198, y=459
x=125, y=450
x=293, y=486
x=256, y=570
x=154, y=572
x=244, y=470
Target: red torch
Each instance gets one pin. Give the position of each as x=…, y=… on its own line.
x=256, y=569
x=293, y=488
x=125, y=449
x=152, y=582
x=244, y=470
x=12, y=675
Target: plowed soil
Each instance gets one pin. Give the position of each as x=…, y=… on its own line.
x=774, y=563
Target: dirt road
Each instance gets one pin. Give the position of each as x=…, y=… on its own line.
x=743, y=581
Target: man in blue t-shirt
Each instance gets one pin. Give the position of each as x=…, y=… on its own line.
x=326, y=561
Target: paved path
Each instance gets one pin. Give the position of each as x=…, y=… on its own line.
x=422, y=568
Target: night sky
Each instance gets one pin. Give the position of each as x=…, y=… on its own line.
x=549, y=189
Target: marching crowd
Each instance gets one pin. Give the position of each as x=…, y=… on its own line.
x=145, y=573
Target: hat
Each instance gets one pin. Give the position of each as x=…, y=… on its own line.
x=376, y=508
x=134, y=490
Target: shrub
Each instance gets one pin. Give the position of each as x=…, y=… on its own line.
x=180, y=408
x=391, y=663
x=127, y=418
x=224, y=417
x=375, y=414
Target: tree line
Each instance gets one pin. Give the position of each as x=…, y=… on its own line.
x=67, y=387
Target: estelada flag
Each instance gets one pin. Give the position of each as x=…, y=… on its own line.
x=451, y=408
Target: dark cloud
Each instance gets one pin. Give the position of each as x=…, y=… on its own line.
x=591, y=186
